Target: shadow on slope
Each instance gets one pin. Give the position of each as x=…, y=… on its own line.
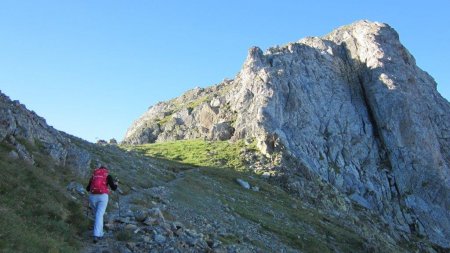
x=210, y=194
x=36, y=213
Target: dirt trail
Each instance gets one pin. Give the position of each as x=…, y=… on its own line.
x=109, y=243
x=119, y=209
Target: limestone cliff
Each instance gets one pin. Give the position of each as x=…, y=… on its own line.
x=352, y=107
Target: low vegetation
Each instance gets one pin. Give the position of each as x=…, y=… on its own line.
x=177, y=106
x=199, y=153
x=36, y=214
x=274, y=210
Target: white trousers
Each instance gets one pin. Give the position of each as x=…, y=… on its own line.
x=98, y=204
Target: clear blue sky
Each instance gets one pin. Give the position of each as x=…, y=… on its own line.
x=92, y=67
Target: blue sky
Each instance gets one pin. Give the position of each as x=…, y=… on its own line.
x=92, y=67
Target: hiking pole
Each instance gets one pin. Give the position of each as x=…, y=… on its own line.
x=86, y=205
x=118, y=201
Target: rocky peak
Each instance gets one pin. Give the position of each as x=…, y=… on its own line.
x=255, y=58
x=352, y=107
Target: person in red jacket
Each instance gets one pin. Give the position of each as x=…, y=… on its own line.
x=98, y=198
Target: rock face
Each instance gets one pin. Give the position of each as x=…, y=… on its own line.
x=20, y=128
x=352, y=107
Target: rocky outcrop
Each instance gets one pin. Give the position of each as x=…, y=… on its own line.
x=352, y=107
x=24, y=130
x=199, y=113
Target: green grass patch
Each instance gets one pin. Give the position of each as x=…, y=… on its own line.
x=35, y=213
x=164, y=120
x=193, y=104
x=199, y=153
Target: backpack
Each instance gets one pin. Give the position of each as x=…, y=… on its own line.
x=99, y=184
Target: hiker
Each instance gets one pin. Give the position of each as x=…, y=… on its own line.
x=98, y=197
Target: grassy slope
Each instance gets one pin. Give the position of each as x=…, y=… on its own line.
x=198, y=152
x=276, y=211
x=35, y=213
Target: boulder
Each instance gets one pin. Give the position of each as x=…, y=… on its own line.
x=160, y=239
x=76, y=188
x=13, y=155
x=243, y=183
x=222, y=131
x=140, y=215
